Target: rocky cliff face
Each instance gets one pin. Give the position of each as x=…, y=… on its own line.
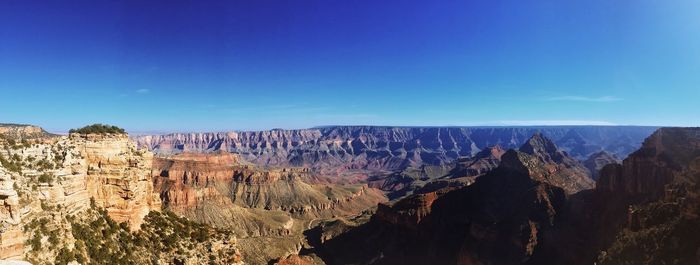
x=549, y=164
x=659, y=185
x=341, y=148
x=58, y=177
x=598, y=160
x=11, y=239
x=269, y=199
x=118, y=176
x=663, y=158
x=21, y=131
x=268, y=208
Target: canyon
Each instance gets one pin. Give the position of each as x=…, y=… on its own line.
x=264, y=207
x=642, y=211
x=353, y=195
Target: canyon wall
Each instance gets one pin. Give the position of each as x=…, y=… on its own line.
x=340, y=148
x=220, y=190
x=59, y=177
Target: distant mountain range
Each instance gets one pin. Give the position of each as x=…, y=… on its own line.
x=380, y=148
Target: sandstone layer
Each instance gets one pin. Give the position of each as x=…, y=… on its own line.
x=53, y=178
x=269, y=200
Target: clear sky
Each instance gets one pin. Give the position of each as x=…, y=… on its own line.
x=235, y=65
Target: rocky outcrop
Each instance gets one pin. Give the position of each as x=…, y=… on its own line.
x=118, y=176
x=58, y=177
x=549, y=164
x=428, y=178
x=411, y=211
x=216, y=188
x=663, y=158
x=21, y=131
x=11, y=238
x=597, y=161
x=341, y=148
x=657, y=198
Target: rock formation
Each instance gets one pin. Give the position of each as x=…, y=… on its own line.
x=118, y=176
x=659, y=185
x=268, y=208
x=337, y=149
x=503, y=218
x=190, y=182
x=549, y=164
x=427, y=178
x=11, y=239
x=21, y=131
x=52, y=178
x=598, y=160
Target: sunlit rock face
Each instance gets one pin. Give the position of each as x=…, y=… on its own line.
x=11, y=238
x=21, y=131
x=222, y=190
x=58, y=176
x=118, y=176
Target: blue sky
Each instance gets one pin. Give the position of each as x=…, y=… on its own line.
x=240, y=65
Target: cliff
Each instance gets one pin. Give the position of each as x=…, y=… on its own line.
x=659, y=185
x=118, y=176
x=338, y=149
x=54, y=178
x=21, y=131
x=269, y=199
x=666, y=157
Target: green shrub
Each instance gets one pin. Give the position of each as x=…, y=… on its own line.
x=99, y=129
x=45, y=178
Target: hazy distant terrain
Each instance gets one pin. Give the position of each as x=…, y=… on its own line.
x=391, y=148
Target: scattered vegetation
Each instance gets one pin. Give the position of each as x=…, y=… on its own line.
x=99, y=129
x=12, y=164
x=662, y=236
x=163, y=236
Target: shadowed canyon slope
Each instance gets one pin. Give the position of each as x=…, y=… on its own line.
x=644, y=211
x=337, y=149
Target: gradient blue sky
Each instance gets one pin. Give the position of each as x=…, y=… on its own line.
x=222, y=65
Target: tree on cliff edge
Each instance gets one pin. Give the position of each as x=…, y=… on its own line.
x=98, y=129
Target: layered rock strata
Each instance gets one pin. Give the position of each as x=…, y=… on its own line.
x=338, y=149
x=220, y=190
x=57, y=177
